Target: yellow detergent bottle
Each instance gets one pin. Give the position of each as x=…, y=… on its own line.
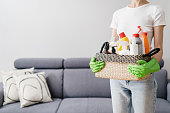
x=122, y=38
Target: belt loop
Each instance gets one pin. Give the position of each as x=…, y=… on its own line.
x=127, y=81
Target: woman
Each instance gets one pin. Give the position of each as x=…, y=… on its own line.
x=140, y=94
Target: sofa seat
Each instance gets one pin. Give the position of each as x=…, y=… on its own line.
x=85, y=105
x=50, y=107
x=162, y=106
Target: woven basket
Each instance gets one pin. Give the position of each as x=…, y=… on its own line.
x=116, y=66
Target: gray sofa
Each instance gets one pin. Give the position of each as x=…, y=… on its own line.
x=75, y=89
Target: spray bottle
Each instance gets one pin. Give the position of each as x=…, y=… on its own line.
x=145, y=42
x=136, y=47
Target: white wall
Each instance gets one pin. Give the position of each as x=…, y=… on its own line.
x=60, y=28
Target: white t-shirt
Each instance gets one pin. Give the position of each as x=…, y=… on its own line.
x=147, y=16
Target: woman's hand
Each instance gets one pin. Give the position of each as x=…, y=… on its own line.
x=144, y=67
x=96, y=65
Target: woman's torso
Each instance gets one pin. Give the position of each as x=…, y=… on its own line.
x=129, y=18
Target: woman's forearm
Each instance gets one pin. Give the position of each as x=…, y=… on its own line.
x=114, y=34
x=158, y=56
x=158, y=41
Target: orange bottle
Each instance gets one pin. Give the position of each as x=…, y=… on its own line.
x=146, y=42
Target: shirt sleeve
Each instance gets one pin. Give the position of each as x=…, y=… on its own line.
x=114, y=22
x=159, y=17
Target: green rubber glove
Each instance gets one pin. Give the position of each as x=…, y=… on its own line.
x=144, y=67
x=96, y=65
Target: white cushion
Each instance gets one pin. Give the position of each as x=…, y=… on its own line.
x=9, y=85
x=32, y=89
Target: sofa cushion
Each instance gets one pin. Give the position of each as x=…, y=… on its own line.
x=162, y=106
x=54, y=80
x=50, y=107
x=1, y=94
x=161, y=79
x=71, y=63
x=9, y=84
x=83, y=83
x=32, y=89
x=85, y=105
x=39, y=63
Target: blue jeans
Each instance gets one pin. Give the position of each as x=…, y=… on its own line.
x=141, y=94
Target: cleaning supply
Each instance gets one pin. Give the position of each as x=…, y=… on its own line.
x=106, y=48
x=124, y=50
x=113, y=50
x=144, y=67
x=136, y=44
x=96, y=65
x=113, y=47
x=122, y=38
x=145, y=42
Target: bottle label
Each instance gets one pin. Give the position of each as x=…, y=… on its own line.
x=134, y=49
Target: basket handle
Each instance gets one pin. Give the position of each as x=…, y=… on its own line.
x=105, y=44
x=152, y=52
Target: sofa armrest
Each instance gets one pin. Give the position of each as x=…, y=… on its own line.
x=1, y=94
x=168, y=91
x=161, y=63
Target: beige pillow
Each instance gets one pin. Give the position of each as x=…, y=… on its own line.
x=9, y=85
x=32, y=89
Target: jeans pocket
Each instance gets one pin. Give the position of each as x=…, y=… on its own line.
x=155, y=84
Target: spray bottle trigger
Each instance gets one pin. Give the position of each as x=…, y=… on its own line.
x=139, y=29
